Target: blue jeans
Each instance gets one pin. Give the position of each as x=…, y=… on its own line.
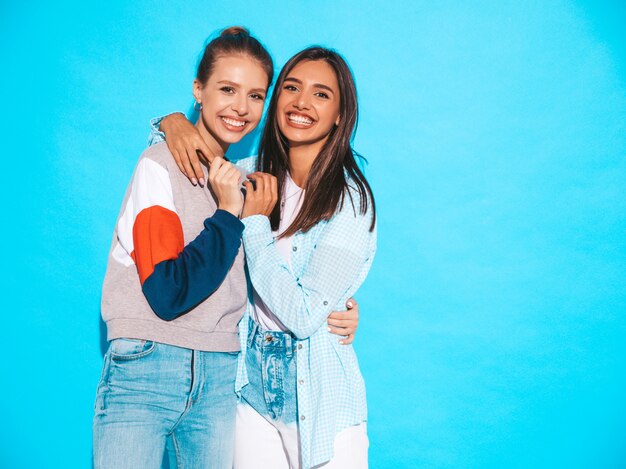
x=151, y=392
x=271, y=367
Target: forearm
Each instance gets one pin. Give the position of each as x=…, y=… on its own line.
x=302, y=304
x=177, y=285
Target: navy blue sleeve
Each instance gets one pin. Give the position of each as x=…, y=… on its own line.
x=178, y=285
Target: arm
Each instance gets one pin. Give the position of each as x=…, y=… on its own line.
x=185, y=143
x=335, y=268
x=174, y=277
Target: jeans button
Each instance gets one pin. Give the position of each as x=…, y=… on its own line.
x=269, y=338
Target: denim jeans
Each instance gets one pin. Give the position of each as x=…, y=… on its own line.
x=271, y=367
x=150, y=392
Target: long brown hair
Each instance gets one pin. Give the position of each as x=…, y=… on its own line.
x=326, y=185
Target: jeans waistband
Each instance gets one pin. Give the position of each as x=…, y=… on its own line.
x=270, y=339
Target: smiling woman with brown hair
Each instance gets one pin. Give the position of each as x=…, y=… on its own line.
x=303, y=397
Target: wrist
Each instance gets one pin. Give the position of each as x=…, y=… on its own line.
x=233, y=209
x=167, y=120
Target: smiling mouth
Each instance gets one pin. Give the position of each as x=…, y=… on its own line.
x=299, y=120
x=237, y=123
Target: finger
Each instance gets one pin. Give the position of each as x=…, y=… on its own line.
x=204, y=150
x=267, y=187
x=351, y=303
x=221, y=174
x=342, y=322
x=343, y=331
x=259, y=183
x=196, y=165
x=229, y=175
x=341, y=315
x=348, y=340
x=249, y=189
x=340, y=331
x=179, y=163
x=214, y=168
x=274, y=190
x=234, y=172
x=189, y=172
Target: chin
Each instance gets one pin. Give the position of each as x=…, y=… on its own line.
x=227, y=137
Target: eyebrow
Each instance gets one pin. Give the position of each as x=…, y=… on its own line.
x=237, y=85
x=316, y=85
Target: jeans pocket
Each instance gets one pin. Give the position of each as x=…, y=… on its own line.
x=130, y=349
x=273, y=391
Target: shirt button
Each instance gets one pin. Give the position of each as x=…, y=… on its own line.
x=299, y=346
x=302, y=417
x=294, y=249
x=325, y=303
x=301, y=381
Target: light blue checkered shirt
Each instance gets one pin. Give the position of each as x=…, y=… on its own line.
x=328, y=265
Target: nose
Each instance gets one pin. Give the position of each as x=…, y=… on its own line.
x=302, y=101
x=240, y=106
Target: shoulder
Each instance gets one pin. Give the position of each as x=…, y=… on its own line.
x=158, y=153
x=155, y=167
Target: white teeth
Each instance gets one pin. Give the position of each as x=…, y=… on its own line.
x=233, y=122
x=300, y=119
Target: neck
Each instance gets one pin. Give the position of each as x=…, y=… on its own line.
x=301, y=158
x=217, y=148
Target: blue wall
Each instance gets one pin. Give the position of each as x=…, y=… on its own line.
x=494, y=319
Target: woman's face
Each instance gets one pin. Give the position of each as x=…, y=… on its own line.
x=232, y=98
x=308, y=103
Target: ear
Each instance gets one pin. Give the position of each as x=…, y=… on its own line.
x=197, y=91
x=337, y=121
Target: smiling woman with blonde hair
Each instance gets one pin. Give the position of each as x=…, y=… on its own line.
x=175, y=288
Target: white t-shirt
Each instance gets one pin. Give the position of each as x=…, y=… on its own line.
x=290, y=204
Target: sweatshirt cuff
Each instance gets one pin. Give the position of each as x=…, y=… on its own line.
x=228, y=221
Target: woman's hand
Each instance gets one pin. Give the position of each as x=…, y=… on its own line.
x=261, y=196
x=225, y=183
x=345, y=323
x=186, y=144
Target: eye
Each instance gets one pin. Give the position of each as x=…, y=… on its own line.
x=321, y=94
x=257, y=96
x=227, y=89
x=290, y=88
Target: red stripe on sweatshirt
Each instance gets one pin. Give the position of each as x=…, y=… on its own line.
x=157, y=236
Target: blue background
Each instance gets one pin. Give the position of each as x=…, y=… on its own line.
x=493, y=321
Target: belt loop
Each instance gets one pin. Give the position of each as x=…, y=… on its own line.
x=252, y=331
x=288, y=345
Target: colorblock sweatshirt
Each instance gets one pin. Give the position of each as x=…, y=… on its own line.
x=175, y=273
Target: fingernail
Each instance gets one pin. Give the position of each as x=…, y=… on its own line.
x=341, y=342
x=202, y=182
x=194, y=181
x=349, y=303
x=328, y=329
